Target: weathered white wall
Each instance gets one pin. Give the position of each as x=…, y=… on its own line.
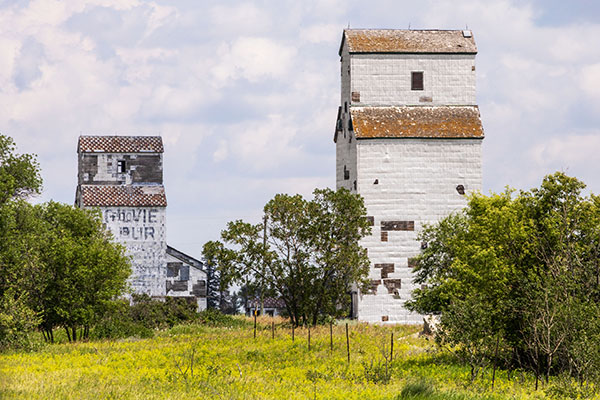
x=385, y=79
x=345, y=156
x=346, y=142
x=417, y=182
x=102, y=168
x=143, y=232
x=178, y=286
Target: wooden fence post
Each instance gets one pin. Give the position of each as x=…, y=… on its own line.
x=309, y=338
x=272, y=330
x=331, y=337
x=392, y=347
x=347, y=343
x=254, y=323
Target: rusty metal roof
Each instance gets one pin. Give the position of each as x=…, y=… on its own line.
x=417, y=122
x=123, y=196
x=408, y=41
x=120, y=144
x=268, y=302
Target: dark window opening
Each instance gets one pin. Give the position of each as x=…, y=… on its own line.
x=350, y=128
x=184, y=273
x=354, y=185
x=121, y=166
x=416, y=82
x=346, y=174
x=345, y=106
x=460, y=189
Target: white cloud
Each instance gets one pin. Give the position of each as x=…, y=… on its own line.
x=241, y=18
x=222, y=151
x=569, y=152
x=253, y=58
x=265, y=144
x=322, y=33
x=590, y=80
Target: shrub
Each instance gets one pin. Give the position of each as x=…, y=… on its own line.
x=17, y=321
x=161, y=314
x=118, y=323
x=213, y=317
x=143, y=316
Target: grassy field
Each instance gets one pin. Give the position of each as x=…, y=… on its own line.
x=202, y=362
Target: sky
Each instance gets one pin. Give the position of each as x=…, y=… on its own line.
x=245, y=93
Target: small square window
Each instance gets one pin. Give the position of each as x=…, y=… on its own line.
x=416, y=82
x=121, y=166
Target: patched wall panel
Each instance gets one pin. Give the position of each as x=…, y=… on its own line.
x=142, y=231
x=104, y=168
x=417, y=181
x=189, y=281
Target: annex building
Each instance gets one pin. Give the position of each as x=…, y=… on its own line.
x=123, y=177
x=408, y=139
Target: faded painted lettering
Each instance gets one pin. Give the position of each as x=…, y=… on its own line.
x=133, y=223
x=130, y=215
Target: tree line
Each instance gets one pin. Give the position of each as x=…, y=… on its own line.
x=515, y=278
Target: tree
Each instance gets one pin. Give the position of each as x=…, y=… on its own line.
x=305, y=252
x=19, y=173
x=84, y=269
x=19, y=178
x=530, y=260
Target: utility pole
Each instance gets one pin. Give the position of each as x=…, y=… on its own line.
x=262, y=300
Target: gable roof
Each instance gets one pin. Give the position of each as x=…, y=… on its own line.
x=123, y=196
x=417, y=122
x=120, y=144
x=408, y=41
x=185, y=258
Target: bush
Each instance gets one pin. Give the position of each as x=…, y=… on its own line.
x=118, y=323
x=213, y=317
x=162, y=314
x=143, y=316
x=17, y=322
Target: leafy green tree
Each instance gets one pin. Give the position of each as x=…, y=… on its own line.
x=19, y=178
x=530, y=260
x=19, y=173
x=84, y=268
x=306, y=252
